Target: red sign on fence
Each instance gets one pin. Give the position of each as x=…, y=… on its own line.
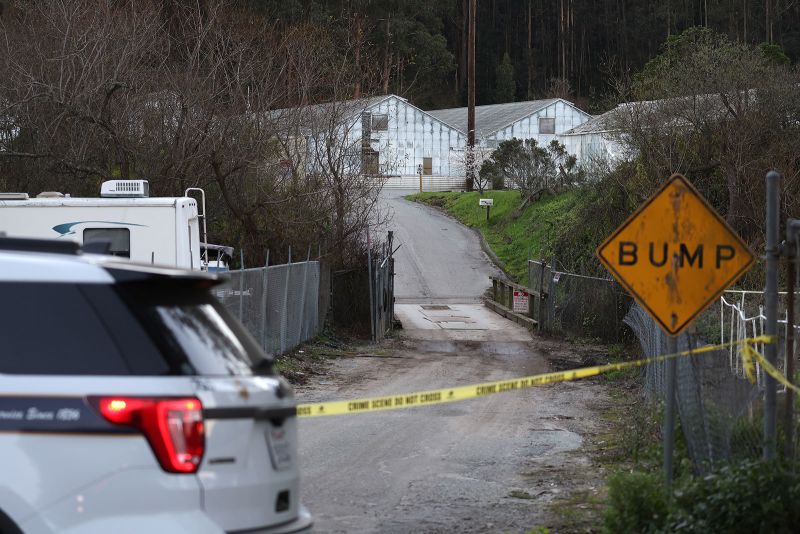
x=520, y=301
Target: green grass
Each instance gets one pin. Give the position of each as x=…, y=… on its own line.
x=511, y=234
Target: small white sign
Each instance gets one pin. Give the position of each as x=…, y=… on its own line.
x=520, y=301
x=486, y=202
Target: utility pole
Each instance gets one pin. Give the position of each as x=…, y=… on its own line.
x=470, y=159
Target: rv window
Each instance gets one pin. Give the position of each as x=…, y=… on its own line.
x=120, y=239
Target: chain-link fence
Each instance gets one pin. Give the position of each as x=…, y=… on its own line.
x=279, y=304
x=382, y=297
x=578, y=305
x=721, y=412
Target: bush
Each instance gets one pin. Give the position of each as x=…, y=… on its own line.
x=743, y=498
x=498, y=182
x=636, y=504
x=748, y=497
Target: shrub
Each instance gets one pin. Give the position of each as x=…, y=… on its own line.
x=636, y=504
x=748, y=497
x=743, y=498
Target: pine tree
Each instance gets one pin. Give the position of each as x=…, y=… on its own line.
x=505, y=87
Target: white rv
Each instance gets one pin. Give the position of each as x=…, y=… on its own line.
x=160, y=231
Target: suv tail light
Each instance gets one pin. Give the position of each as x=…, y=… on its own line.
x=173, y=427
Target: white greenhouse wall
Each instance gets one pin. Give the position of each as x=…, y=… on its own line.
x=411, y=136
x=566, y=117
x=586, y=146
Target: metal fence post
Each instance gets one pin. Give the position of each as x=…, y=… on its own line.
x=285, y=310
x=371, y=301
x=669, y=412
x=264, y=309
x=789, y=411
x=241, y=284
x=390, y=282
x=542, y=298
x=773, y=181
x=303, y=301
x=551, y=297
x=793, y=282
x=531, y=303
x=379, y=303
x=391, y=293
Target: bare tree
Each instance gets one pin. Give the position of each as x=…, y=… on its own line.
x=70, y=77
x=473, y=157
x=189, y=94
x=723, y=114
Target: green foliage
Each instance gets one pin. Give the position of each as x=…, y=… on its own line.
x=636, y=504
x=601, y=206
x=506, y=87
x=774, y=54
x=497, y=181
x=748, y=497
x=676, y=50
x=716, y=110
x=533, y=169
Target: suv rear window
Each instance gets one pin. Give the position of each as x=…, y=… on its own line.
x=127, y=329
x=52, y=329
x=193, y=324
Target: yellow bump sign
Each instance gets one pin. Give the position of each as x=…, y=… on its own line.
x=675, y=255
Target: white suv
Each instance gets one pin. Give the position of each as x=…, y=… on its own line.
x=131, y=401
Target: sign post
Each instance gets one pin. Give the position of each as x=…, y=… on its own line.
x=419, y=171
x=675, y=255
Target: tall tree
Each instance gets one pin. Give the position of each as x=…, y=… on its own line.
x=506, y=87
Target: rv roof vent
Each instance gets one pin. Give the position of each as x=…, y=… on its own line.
x=125, y=188
x=13, y=196
x=50, y=194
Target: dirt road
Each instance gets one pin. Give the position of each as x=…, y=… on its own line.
x=440, y=260
x=484, y=465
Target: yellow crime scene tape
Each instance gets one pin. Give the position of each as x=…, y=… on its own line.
x=460, y=393
x=751, y=356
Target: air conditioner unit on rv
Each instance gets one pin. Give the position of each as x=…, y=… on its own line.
x=125, y=189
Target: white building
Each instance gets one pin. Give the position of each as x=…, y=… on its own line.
x=385, y=136
x=407, y=139
x=542, y=120
x=390, y=137
x=596, y=138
